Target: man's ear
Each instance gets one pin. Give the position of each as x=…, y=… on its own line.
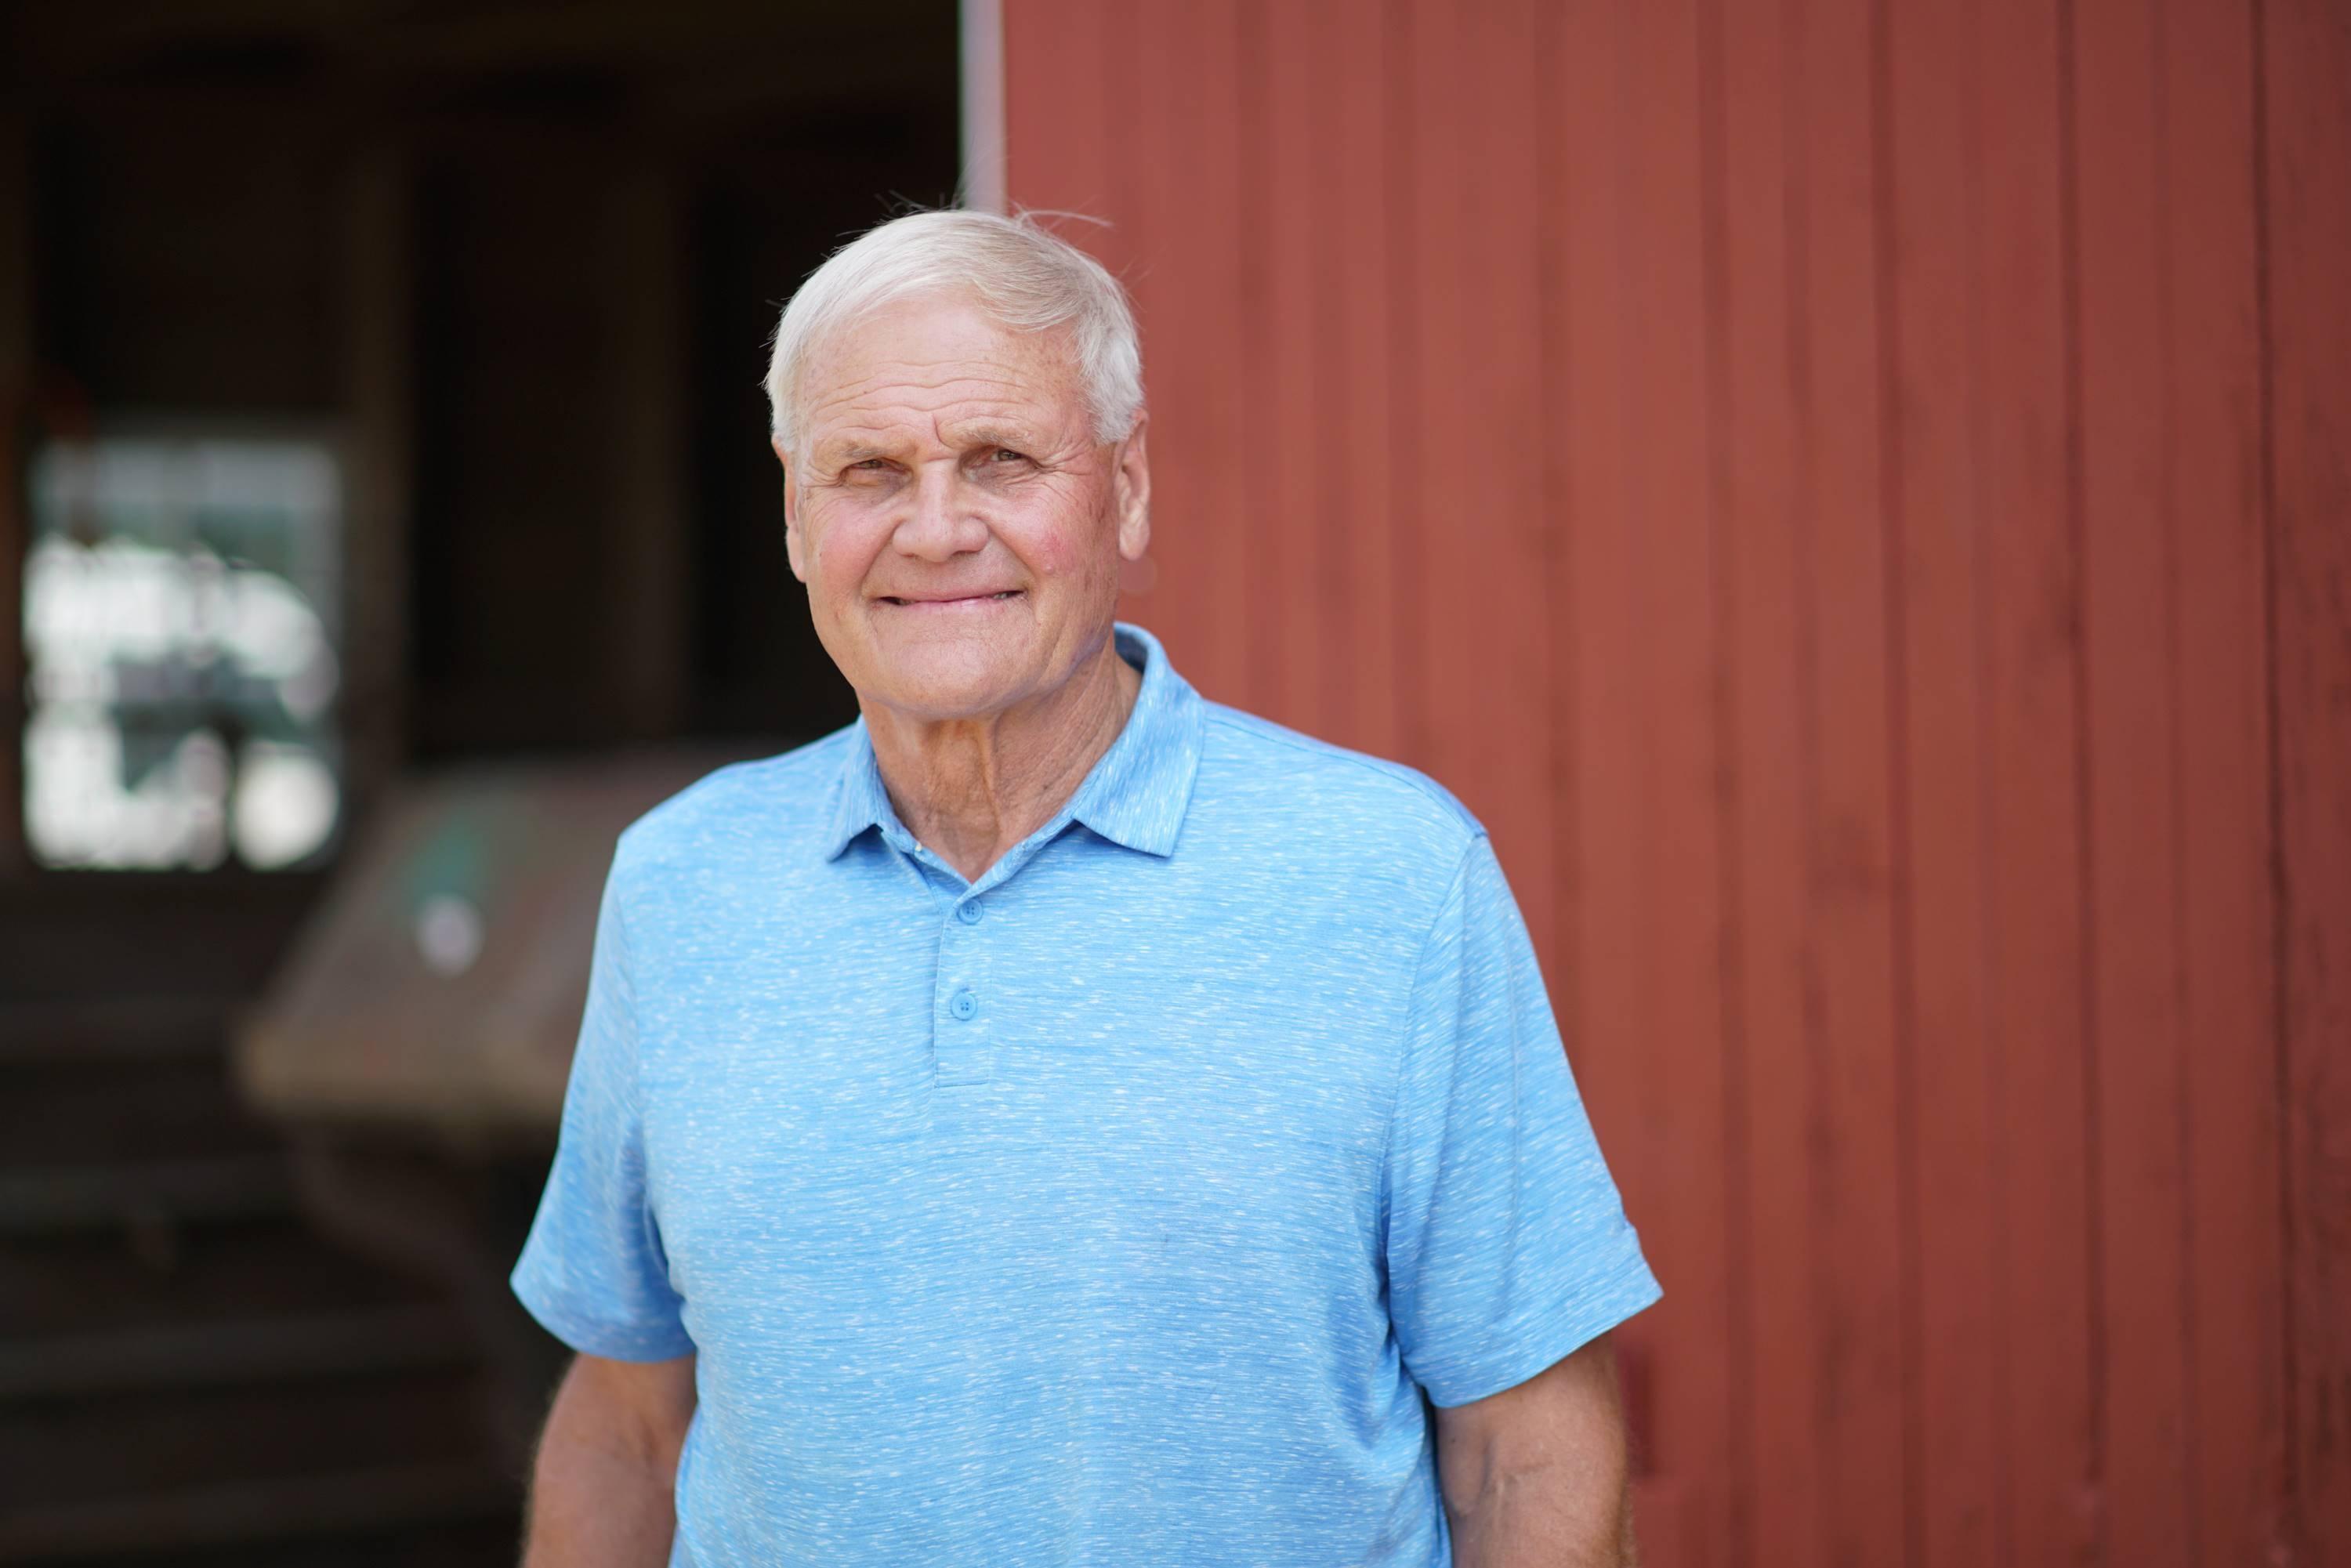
x=1131, y=494
x=792, y=543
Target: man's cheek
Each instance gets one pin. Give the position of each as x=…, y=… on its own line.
x=1070, y=553
x=836, y=562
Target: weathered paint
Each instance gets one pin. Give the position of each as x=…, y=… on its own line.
x=1854, y=494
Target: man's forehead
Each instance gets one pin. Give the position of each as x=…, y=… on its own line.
x=895, y=391
x=966, y=410
x=935, y=343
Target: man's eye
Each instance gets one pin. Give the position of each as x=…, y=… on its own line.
x=869, y=465
x=1006, y=455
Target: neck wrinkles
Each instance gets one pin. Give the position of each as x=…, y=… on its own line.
x=972, y=789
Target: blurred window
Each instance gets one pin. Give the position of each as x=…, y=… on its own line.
x=181, y=625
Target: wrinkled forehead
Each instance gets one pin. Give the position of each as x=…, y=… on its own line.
x=939, y=356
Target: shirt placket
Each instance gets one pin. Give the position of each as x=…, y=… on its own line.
x=962, y=1025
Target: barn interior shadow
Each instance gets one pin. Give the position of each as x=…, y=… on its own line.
x=396, y=517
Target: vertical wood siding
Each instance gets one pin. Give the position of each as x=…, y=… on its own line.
x=1857, y=496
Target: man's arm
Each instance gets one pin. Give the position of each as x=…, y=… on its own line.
x=601, y=1491
x=1536, y=1475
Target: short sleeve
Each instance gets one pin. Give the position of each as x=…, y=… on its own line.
x=1507, y=1245
x=592, y=1269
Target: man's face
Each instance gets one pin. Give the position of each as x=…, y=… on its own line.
x=958, y=524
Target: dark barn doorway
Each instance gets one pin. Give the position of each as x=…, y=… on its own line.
x=506, y=272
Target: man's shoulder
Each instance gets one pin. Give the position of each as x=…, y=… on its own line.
x=764, y=802
x=1309, y=784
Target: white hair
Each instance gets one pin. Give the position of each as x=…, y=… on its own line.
x=1029, y=280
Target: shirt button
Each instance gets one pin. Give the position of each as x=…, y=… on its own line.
x=969, y=912
x=963, y=1004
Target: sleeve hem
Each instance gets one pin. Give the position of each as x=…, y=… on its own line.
x=594, y=1336
x=1531, y=1348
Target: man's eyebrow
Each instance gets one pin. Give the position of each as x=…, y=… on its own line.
x=990, y=434
x=842, y=455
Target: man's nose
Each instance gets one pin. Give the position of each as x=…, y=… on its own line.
x=939, y=522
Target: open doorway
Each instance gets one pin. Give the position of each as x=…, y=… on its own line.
x=381, y=394
x=519, y=262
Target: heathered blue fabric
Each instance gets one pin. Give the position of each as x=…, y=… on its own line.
x=1116, y=1208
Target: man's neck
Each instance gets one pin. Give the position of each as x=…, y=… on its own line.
x=972, y=789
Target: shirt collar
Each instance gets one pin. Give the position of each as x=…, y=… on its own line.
x=860, y=801
x=1135, y=795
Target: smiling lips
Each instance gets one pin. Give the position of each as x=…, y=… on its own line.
x=949, y=600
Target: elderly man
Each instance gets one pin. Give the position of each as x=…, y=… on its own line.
x=1057, y=1119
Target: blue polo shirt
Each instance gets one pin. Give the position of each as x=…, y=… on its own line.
x=1118, y=1207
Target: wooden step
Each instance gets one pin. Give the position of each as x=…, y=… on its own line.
x=73, y=1197
x=115, y=1030
x=488, y=1539
x=76, y=936
x=111, y=1111
x=105, y=1281
x=379, y=1499
x=257, y=1350
x=105, y=1448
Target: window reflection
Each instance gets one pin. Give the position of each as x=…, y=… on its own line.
x=180, y=625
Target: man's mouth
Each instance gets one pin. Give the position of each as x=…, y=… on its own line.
x=945, y=599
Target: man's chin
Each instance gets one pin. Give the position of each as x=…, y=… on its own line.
x=943, y=684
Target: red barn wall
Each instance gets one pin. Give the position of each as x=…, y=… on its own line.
x=1856, y=497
